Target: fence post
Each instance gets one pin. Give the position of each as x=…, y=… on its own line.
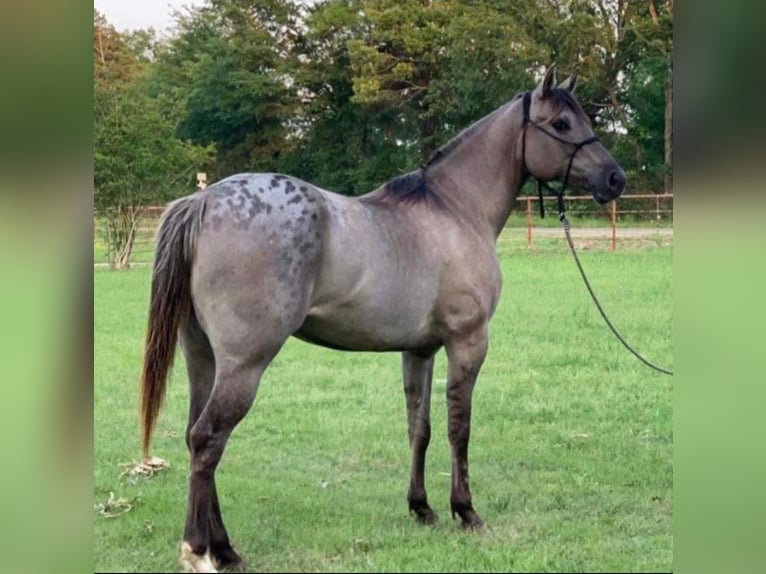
x=614, y=225
x=657, y=202
x=529, y=222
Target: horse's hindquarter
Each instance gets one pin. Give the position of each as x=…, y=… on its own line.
x=378, y=280
x=257, y=258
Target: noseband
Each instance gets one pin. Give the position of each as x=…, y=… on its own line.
x=540, y=184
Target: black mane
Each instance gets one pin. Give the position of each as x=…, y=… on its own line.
x=411, y=187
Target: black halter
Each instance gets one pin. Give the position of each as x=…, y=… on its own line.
x=540, y=184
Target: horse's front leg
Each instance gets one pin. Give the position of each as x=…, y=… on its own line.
x=465, y=356
x=417, y=372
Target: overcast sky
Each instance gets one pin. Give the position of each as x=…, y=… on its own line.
x=133, y=14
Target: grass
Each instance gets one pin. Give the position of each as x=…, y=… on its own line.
x=571, y=445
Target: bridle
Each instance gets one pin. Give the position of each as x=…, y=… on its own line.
x=563, y=216
x=540, y=184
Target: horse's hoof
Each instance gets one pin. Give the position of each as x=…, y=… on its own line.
x=426, y=516
x=473, y=525
x=238, y=566
x=191, y=562
x=469, y=520
x=227, y=560
x=422, y=512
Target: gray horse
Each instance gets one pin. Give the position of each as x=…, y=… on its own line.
x=410, y=267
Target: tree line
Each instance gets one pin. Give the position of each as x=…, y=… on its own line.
x=349, y=93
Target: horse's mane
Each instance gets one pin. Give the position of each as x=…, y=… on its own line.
x=412, y=187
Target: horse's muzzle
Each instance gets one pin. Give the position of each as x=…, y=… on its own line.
x=615, y=182
x=610, y=185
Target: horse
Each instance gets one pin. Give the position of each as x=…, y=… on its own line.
x=410, y=267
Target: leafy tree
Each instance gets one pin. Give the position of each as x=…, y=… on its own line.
x=224, y=75
x=344, y=145
x=651, y=76
x=384, y=83
x=348, y=93
x=113, y=61
x=137, y=158
x=440, y=64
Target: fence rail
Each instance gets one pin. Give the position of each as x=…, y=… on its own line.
x=657, y=213
x=655, y=210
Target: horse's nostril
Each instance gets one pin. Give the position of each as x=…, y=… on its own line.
x=616, y=180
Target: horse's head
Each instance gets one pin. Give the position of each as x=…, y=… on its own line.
x=563, y=147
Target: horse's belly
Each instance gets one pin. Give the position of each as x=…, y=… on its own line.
x=375, y=289
x=356, y=327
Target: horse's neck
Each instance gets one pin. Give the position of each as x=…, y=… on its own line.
x=483, y=175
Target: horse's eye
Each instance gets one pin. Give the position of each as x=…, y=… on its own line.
x=560, y=125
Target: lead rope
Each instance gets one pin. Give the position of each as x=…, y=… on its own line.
x=563, y=217
x=565, y=222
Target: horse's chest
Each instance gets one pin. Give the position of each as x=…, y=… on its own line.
x=469, y=292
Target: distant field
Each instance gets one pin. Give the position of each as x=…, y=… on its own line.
x=571, y=446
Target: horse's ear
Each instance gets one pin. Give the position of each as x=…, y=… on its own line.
x=569, y=84
x=545, y=86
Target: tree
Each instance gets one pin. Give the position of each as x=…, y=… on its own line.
x=137, y=158
x=344, y=145
x=224, y=73
x=662, y=21
x=348, y=93
x=440, y=64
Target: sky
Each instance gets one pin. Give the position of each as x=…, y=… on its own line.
x=133, y=14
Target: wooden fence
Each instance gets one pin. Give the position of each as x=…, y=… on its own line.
x=648, y=208
x=647, y=212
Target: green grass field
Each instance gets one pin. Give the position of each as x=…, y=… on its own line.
x=571, y=445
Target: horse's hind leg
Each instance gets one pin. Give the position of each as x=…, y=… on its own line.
x=236, y=383
x=200, y=365
x=418, y=372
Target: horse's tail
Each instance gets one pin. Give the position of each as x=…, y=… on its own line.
x=170, y=302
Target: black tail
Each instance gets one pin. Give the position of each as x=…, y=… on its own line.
x=170, y=302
